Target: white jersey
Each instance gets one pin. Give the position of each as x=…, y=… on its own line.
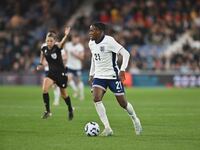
x=72, y=61
x=104, y=56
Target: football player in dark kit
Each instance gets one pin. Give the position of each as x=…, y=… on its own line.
x=51, y=51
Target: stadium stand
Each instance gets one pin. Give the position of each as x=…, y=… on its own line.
x=152, y=27
x=148, y=29
x=23, y=25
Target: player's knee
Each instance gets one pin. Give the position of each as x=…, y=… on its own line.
x=96, y=98
x=64, y=95
x=123, y=105
x=70, y=77
x=44, y=90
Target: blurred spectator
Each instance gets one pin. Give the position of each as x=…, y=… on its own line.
x=23, y=24
x=151, y=25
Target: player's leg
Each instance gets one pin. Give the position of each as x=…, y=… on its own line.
x=118, y=89
x=129, y=108
x=56, y=91
x=47, y=83
x=99, y=89
x=67, y=100
x=80, y=88
x=72, y=84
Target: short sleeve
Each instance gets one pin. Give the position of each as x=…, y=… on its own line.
x=59, y=49
x=43, y=47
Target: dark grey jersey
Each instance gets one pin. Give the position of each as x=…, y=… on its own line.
x=54, y=58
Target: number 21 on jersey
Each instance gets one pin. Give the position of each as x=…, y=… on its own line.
x=97, y=57
x=118, y=85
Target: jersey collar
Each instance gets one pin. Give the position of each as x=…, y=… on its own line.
x=101, y=39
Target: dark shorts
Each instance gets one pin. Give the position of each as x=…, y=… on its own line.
x=76, y=73
x=114, y=85
x=60, y=78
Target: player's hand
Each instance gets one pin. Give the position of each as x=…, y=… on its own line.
x=90, y=80
x=39, y=67
x=67, y=30
x=122, y=76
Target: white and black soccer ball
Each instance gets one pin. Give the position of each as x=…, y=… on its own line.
x=92, y=129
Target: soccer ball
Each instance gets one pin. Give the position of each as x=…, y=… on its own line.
x=92, y=129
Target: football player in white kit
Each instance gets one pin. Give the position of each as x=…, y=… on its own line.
x=104, y=73
x=75, y=54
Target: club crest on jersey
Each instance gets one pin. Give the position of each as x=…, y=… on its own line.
x=102, y=48
x=54, y=56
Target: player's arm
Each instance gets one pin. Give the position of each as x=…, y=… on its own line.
x=119, y=49
x=125, y=59
x=64, y=39
x=45, y=63
x=64, y=56
x=40, y=66
x=92, y=71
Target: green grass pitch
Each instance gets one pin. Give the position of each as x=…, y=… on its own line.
x=170, y=119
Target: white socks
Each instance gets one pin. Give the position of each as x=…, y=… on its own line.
x=102, y=113
x=81, y=90
x=56, y=91
x=73, y=85
x=77, y=88
x=130, y=110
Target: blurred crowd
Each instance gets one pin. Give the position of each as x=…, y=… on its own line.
x=23, y=25
x=144, y=27
x=147, y=27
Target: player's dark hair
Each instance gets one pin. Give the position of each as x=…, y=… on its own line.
x=101, y=26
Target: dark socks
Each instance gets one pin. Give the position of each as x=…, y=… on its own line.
x=68, y=102
x=46, y=101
